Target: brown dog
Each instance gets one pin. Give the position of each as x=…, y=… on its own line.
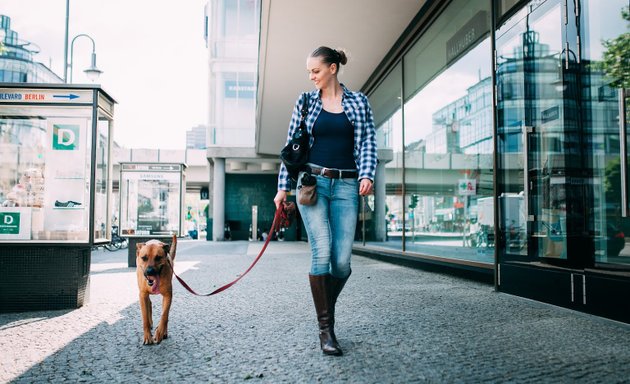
x=154, y=261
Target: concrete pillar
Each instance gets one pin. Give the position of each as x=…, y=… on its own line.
x=380, y=193
x=210, y=212
x=218, y=199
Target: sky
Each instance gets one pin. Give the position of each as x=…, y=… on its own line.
x=152, y=54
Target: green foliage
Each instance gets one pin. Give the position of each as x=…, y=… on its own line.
x=612, y=180
x=616, y=58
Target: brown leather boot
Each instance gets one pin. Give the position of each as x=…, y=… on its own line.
x=321, y=299
x=335, y=286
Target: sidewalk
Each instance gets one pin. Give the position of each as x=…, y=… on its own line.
x=395, y=324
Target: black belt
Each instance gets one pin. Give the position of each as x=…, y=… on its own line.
x=334, y=173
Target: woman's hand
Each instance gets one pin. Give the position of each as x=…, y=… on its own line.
x=365, y=188
x=280, y=197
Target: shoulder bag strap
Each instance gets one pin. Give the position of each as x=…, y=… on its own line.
x=304, y=106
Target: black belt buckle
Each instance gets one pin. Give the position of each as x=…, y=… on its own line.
x=330, y=173
x=333, y=173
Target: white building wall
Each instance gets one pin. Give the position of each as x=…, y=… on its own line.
x=232, y=40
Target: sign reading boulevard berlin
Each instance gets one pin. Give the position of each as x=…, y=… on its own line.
x=467, y=187
x=45, y=96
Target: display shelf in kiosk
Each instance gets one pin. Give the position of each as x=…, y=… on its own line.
x=55, y=191
x=151, y=202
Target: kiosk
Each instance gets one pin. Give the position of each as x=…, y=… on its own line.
x=55, y=191
x=151, y=202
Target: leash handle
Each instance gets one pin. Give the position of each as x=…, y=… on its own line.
x=280, y=219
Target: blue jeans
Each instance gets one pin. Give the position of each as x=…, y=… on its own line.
x=330, y=225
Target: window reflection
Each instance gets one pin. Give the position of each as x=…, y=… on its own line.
x=442, y=143
x=605, y=101
x=535, y=135
x=448, y=152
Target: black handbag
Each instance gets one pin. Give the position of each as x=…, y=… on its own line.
x=295, y=154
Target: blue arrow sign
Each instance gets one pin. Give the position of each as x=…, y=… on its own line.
x=69, y=97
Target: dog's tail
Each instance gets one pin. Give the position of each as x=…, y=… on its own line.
x=173, y=247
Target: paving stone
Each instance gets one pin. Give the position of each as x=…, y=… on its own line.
x=395, y=324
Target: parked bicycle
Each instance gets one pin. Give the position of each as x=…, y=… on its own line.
x=117, y=242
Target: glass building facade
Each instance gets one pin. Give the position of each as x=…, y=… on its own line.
x=16, y=59
x=502, y=126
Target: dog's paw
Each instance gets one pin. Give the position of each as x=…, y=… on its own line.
x=160, y=334
x=148, y=339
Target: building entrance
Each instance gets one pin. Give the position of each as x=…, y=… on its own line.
x=562, y=158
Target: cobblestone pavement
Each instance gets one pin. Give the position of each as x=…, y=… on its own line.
x=395, y=324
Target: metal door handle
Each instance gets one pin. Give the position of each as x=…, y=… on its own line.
x=526, y=131
x=623, y=152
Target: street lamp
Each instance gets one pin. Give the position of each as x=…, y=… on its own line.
x=92, y=73
x=65, y=44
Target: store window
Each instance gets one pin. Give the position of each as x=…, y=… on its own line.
x=448, y=201
x=45, y=162
x=386, y=102
x=434, y=120
x=151, y=200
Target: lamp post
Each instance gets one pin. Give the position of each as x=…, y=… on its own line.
x=93, y=72
x=65, y=44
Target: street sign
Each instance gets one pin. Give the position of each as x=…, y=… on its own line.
x=467, y=187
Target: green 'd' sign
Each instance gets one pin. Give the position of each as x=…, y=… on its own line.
x=9, y=223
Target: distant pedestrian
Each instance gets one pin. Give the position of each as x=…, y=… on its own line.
x=343, y=159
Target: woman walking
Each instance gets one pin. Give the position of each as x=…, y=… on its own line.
x=342, y=158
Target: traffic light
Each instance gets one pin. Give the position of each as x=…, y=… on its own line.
x=414, y=201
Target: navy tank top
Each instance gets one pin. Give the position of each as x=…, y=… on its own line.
x=333, y=144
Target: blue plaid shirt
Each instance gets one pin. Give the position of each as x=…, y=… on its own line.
x=357, y=108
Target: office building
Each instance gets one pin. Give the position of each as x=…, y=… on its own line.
x=196, y=137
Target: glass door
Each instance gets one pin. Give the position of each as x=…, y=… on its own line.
x=537, y=140
x=606, y=74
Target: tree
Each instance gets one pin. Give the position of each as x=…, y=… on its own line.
x=616, y=58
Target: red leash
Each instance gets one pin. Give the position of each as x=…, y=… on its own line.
x=282, y=218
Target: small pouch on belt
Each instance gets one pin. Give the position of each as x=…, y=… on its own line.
x=307, y=190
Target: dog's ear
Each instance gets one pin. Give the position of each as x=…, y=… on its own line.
x=138, y=248
x=174, y=247
x=166, y=248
